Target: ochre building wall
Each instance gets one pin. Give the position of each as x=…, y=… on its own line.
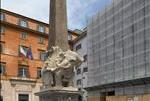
x=12, y=40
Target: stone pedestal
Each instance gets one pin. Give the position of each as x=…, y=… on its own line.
x=59, y=94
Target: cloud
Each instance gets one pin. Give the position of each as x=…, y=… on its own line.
x=37, y=9
x=81, y=10
x=78, y=10
x=77, y=13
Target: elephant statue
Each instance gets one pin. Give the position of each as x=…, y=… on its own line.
x=58, y=67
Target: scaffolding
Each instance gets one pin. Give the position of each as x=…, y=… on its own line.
x=119, y=43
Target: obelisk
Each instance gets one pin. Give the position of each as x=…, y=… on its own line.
x=58, y=24
x=57, y=72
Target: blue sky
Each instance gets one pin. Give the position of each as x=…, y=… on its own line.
x=79, y=11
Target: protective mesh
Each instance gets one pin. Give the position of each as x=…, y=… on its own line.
x=119, y=42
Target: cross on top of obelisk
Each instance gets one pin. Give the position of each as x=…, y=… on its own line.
x=58, y=25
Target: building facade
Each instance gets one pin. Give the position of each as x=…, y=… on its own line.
x=21, y=75
x=119, y=50
x=80, y=78
x=72, y=35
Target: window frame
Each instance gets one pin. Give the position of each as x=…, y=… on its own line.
x=70, y=37
x=23, y=35
x=79, y=82
x=85, y=69
x=23, y=20
x=41, y=26
x=1, y=98
x=2, y=17
x=2, y=30
x=41, y=52
x=85, y=58
x=25, y=71
x=3, y=72
x=23, y=95
x=79, y=46
x=39, y=72
x=41, y=41
x=2, y=47
x=78, y=71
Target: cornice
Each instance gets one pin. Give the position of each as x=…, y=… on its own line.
x=5, y=23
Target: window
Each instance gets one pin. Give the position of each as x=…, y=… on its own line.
x=78, y=47
x=78, y=71
x=41, y=28
x=23, y=35
x=2, y=30
x=39, y=74
x=0, y=86
x=69, y=36
x=132, y=28
x=42, y=55
x=23, y=23
x=2, y=17
x=1, y=47
x=85, y=58
x=41, y=40
x=79, y=82
x=23, y=71
x=2, y=68
x=1, y=98
x=85, y=69
x=23, y=97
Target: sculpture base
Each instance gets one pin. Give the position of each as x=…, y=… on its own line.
x=59, y=94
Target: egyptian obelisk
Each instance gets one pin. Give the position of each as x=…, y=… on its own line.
x=58, y=24
x=53, y=88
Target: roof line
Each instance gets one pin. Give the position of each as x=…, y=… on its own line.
x=22, y=16
x=22, y=28
x=80, y=37
x=31, y=19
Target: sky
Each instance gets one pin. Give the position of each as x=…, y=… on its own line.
x=79, y=12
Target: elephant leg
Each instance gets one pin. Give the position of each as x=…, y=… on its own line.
x=47, y=78
x=68, y=75
x=71, y=77
x=58, y=78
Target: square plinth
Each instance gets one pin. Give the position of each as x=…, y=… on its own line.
x=59, y=94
